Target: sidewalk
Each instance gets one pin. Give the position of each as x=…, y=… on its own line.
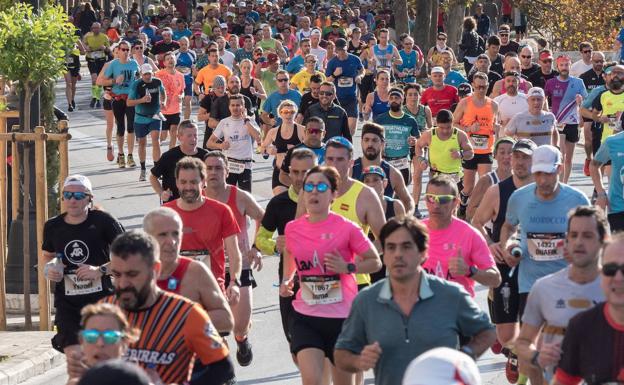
x=24, y=355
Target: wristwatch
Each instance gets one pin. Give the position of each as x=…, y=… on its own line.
x=235, y=282
x=103, y=269
x=351, y=268
x=472, y=270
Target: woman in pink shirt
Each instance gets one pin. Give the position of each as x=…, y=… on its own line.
x=322, y=247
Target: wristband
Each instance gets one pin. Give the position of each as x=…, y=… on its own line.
x=534, y=359
x=602, y=194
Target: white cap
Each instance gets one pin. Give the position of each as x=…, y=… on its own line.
x=546, y=158
x=536, y=91
x=146, y=68
x=78, y=180
x=315, y=31
x=442, y=366
x=241, y=4
x=437, y=70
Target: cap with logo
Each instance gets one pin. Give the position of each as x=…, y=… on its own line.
x=464, y=89
x=272, y=58
x=373, y=170
x=146, y=69
x=546, y=158
x=78, y=180
x=437, y=70
x=525, y=146
x=341, y=141
x=442, y=366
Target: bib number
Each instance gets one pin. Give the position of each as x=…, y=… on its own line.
x=345, y=82
x=480, y=142
x=202, y=256
x=545, y=247
x=321, y=290
x=76, y=286
x=236, y=166
x=97, y=55
x=69, y=60
x=399, y=163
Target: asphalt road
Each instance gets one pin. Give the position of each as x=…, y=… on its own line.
x=119, y=192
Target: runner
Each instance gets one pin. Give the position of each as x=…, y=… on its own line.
x=185, y=60
x=377, y=101
x=206, y=75
x=220, y=106
x=76, y=247
x=96, y=45
x=412, y=60
x=205, y=105
x=243, y=206
x=511, y=102
x=107, y=106
x=566, y=93
x=610, y=152
x=321, y=247
x=72, y=65
x=527, y=67
x=477, y=116
x=312, y=139
x=335, y=118
x=185, y=276
x=385, y=54
x=592, y=78
x=147, y=95
x=511, y=64
x=545, y=72
x=584, y=64
x=309, y=98
x=535, y=123
x=373, y=140
x=210, y=226
x=174, y=83
x=167, y=44
x=439, y=96
x=269, y=109
x=301, y=80
x=238, y=134
x=120, y=74
x=558, y=297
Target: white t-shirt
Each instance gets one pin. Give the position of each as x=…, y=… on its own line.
x=321, y=54
x=228, y=59
x=241, y=143
x=579, y=67
x=538, y=128
x=508, y=106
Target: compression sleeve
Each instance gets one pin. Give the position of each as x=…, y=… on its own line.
x=265, y=242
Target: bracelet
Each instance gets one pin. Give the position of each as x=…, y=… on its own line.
x=461, y=153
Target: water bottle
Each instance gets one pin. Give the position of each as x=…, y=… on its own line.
x=516, y=252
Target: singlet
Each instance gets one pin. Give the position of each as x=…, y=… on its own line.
x=379, y=106
x=282, y=144
x=482, y=140
x=255, y=101
x=420, y=116
x=345, y=205
x=184, y=64
x=241, y=220
x=357, y=51
x=173, y=282
x=439, y=154
x=389, y=207
x=380, y=57
x=356, y=173
x=505, y=189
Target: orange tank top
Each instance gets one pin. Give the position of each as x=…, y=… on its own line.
x=482, y=140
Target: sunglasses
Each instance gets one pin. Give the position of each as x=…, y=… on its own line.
x=138, y=47
x=587, y=51
x=77, y=195
x=610, y=269
x=314, y=131
x=526, y=56
x=320, y=187
x=440, y=199
x=287, y=112
x=124, y=49
x=326, y=93
x=282, y=80
x=547, y=61
x=480, y=87
x=110, y=337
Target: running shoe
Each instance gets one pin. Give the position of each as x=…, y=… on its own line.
x=511, y=369
x=142, y=176
x=586, y=167
x=70, y=108
x=109, y=153
x=131, y=162
x=121, y=161
x=244, y=355
x=73, y=104
x=98, y=104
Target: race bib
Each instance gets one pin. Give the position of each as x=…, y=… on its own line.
x=98, y=55
x=236, y=166
x=202, y=256
x=545, y=246
x=321, y=290
x=75, y=286
x=69, y=60
x=480, y=142
x=345, y=82
x=399, y=163
x=184, y=70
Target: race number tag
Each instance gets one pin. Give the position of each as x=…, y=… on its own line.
x=69, y=60
x=98, y=55
x=399, y=163
x=480, y=142
x=236, y=166
x=545, y=246
x=202, y=256
x=75, y=286
x=345, y=82
x=321, y=290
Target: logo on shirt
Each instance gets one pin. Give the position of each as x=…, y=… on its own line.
x=560, y=304
x=76, y=251
x=150, y=357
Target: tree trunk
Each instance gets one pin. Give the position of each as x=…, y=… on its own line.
x=424, y=21
x=454, y=26
x=401, y=19
x=433, y=28
x=26, y=208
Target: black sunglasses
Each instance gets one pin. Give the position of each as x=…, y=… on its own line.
x=610, y=269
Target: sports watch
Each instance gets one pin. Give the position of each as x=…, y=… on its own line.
x=351, y=268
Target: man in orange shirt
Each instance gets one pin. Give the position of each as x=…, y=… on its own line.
x=206, y=75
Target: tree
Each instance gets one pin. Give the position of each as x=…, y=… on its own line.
x=569, y=22
x=33, y=47
x=426, y=16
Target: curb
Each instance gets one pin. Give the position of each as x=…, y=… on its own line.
x=22, y=367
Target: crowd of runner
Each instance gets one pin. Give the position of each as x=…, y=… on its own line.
x=371, y=277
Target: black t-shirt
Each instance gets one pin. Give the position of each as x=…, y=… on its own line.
x=85, y=243
x=220, y=107
x=279, y=211
x=538, y=79
x=512, y=46
x=162, y=47
x=592, y=348
x=306, y=101
x=153, y=106
x=335, y=118
x=206, y=103
x=164, y=169
x=527, y=72
x=591, y=79
x=497, y=64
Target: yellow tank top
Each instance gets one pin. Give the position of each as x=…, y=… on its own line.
x=483, y=140
x=344, y=205
x=440, y=154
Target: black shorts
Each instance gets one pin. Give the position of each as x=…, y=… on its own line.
x=315, y=332
x=107, y=104
x=275, y=182
x=522, y=300
x=246, y=279
x=95, y=66
x=571, y=132
x=242, y=180
x=476, y=160
x=616, y=221
x=170, y=120
x=67, y=322
x=596, y=130
x=367, y=85
x=504, y=304
x=287, y=312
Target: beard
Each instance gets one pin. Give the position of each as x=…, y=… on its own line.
x=189, y=196
x=234, y=90
x=395, y=107
x=371, y=154
x=136, y=303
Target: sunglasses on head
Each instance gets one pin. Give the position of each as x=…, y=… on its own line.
x=77, y=195
x=440, y=199
x=320, y=187
x=110, y=337
x=610, y=269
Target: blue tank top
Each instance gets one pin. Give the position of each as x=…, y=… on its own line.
x=380, y=56
x=379, y=106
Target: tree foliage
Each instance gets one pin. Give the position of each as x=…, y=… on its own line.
x=569, y=22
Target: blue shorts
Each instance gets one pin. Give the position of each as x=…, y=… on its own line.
x=188, y=89
x=350, y=106
x=141, y=130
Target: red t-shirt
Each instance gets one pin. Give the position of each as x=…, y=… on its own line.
x=439, y=100
x=204, y=230
x=506, y=5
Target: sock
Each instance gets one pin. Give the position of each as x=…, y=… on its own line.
x=98, y=92
x=94, y=92
x=142, y=165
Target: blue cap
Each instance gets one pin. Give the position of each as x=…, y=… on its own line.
x=341, y=141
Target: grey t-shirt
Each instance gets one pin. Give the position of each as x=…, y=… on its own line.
x=538, y=128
